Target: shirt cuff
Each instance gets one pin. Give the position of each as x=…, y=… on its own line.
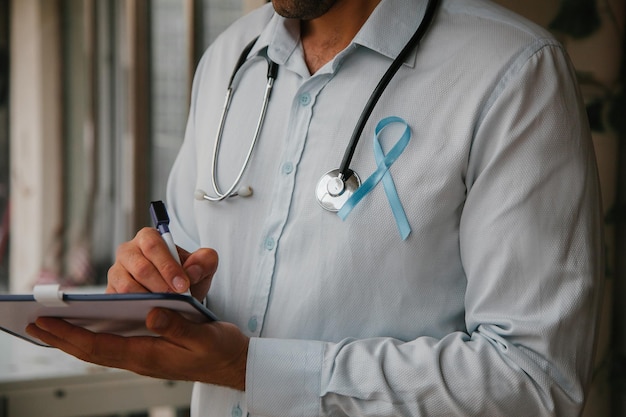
x=283, y=377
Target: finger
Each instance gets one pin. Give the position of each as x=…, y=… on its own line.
x=137, y=354
x=214, y=353
x=119, y=281
x=149, y=261
x=78, y=341
x=223, y=340
x=200, y=266
x=175, y=328
x=156, y=250
x=133, y=272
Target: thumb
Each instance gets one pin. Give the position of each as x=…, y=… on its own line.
x=169, y=324
x=200, y=267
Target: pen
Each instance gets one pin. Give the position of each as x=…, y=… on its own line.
x=161, y=221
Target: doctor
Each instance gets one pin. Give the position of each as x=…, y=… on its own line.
x=487, y=307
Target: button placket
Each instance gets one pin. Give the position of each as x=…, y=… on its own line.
x=301, y=113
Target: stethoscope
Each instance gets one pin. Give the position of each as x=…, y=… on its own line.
x=336, y=186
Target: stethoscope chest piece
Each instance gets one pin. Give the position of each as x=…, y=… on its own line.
x=333, y=191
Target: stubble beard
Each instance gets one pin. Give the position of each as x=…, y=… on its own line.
x=302, y=9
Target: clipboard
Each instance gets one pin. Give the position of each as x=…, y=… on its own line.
x=122, y=314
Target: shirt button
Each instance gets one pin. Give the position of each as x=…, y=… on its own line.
x=253, y=324
x=270, y=243
x=287, y=168
x=236, y=412
x=305, y=99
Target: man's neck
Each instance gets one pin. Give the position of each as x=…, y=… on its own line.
x=326, y=36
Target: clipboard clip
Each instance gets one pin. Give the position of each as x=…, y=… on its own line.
x=49, y=295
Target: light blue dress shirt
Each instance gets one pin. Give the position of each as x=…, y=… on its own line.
x=488, y=308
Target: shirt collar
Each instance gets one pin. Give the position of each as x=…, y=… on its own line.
x=390, y=27
x=386, y=32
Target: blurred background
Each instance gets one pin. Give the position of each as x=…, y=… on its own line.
x=93, y=105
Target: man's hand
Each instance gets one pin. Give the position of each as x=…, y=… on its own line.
x=145, y=264
x=215, y=353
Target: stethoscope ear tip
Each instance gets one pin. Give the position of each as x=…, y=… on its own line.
x=199, y=195
x=244, y=191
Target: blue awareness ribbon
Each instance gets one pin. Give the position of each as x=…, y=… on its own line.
x=383, y=163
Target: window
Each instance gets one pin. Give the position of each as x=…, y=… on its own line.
x=180, y=32
x=110, y=113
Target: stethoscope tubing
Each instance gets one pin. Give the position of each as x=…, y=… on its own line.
x=413, y=43
x=344, y=170
x=272, y=73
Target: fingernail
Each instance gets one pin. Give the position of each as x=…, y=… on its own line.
x=194, y=272
x=180, y=284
